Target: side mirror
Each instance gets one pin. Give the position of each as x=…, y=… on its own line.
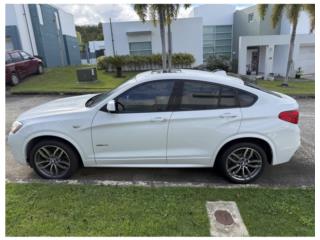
x=111, y=106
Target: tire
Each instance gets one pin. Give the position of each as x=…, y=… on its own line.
x=241, y=159
x=52, y=159
x=15, y=80
x=40, y=69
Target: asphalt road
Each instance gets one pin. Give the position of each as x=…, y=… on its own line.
x=300, y=171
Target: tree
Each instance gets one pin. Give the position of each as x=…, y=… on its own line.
x=157, y=13
x=172, y=11
x=292, y=11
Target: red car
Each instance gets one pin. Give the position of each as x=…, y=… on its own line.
x=20, y=65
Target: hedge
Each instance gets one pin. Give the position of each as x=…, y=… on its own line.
x=138, y=63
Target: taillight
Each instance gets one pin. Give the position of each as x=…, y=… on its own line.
x=290, y=116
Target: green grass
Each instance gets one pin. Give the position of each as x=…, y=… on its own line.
x=64, y=80
x=88, y=210
x=305, y=87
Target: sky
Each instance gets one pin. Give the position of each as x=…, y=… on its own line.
x=86, y=14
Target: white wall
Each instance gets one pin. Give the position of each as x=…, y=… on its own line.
x=96, y=45
x=303, y=26
x=67, y=23
x=215, y=14
x=15, y=16
x=186, y=36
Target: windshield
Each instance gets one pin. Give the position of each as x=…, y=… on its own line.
x=100, y=97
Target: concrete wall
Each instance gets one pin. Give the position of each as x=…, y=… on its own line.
x=186, y=36
x=215, y=14
x=72, y=50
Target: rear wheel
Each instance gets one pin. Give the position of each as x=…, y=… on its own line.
x=40, y=69
x=53, y=159
x=15, y=80
x=243, y=162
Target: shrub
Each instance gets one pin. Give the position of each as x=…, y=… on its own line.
x=218, y=62
x=138, y=63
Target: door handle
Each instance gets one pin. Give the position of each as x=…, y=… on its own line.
x=158, y=119
x=228, y=115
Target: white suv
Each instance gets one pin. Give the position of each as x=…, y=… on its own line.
x=182, y=119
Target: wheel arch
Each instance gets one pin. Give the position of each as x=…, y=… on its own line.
x=261, y=141
x=34, y=140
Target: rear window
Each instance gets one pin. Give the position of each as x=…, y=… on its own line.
x=246, y=99
x=262, y=89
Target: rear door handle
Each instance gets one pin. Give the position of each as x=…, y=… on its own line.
x=158, y=119
x=228, y=115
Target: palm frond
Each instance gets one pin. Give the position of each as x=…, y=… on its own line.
x=262, y=10
x=293, y=11
x=276, y=15
x=311, y=10
x=141, y=10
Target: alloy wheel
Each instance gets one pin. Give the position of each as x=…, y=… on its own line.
x=243, y=164
x=52, y=161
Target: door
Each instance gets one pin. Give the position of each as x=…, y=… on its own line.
x=208, y=114
x=255, y=61
x=30, y=65
x=306, y=59
x=137, y=132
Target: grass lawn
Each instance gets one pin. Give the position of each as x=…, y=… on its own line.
x=64, y=80
x=87, y=210
x=305, y=87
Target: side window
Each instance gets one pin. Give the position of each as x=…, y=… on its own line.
x=8, y=59
x=149, y=97
x=246, y=99
x=16, y=57
x=25, y=56
x=228, y=98
x=199, y=96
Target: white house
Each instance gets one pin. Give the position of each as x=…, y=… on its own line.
x=220, y=29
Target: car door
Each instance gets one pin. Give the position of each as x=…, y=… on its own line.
x=29, y=64
x=19, y=65
x=208, y=113
x=137, y=132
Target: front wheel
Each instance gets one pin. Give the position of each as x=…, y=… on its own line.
x=243, y=162
x=40, y=69
x=53, y=159
x=15, y=80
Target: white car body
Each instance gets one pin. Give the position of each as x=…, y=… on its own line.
x=159, y=139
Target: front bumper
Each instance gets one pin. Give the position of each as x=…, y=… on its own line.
x=17, y=148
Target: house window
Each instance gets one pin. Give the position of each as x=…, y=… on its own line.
x=250, y=17
x=39, y=14
x=217, y=41
x=140, y=48
x=57, y=20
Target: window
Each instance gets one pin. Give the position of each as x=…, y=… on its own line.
x=25, y=55
x=250, y=17
x=16, y=57
x=140, y=48
x=39, y=14
x=8, y=58
x=148, y=97
x=246, y=99
x=199, y=96
x=57, y=20
x=228, y=98
x=217, y=40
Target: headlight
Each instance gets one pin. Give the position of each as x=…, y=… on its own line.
x=16, y=126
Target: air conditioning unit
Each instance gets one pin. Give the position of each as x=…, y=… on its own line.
x=87, y=75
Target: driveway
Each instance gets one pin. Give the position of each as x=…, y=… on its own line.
x=298, y=172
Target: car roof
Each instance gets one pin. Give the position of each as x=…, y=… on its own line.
x=190, y=74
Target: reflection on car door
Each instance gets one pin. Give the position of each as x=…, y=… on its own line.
x=137, y=132
x=208, y=114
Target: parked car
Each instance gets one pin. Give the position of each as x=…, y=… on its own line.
x=183, y=119
x=20, y=65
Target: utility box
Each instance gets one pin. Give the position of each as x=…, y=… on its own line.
x=87, y=75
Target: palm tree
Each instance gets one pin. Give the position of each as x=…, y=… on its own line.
x=292, y=11
x=157, y=13
x=172, y=11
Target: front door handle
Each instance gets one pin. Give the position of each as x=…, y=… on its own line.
x=158, y=119
x=228, y=115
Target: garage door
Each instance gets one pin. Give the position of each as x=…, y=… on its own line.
x=306, y=59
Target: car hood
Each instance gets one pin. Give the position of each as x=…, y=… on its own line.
x=57, y=107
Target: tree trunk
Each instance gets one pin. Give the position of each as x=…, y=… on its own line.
x=163, y=39
x=291, y=48
x=169, y=48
